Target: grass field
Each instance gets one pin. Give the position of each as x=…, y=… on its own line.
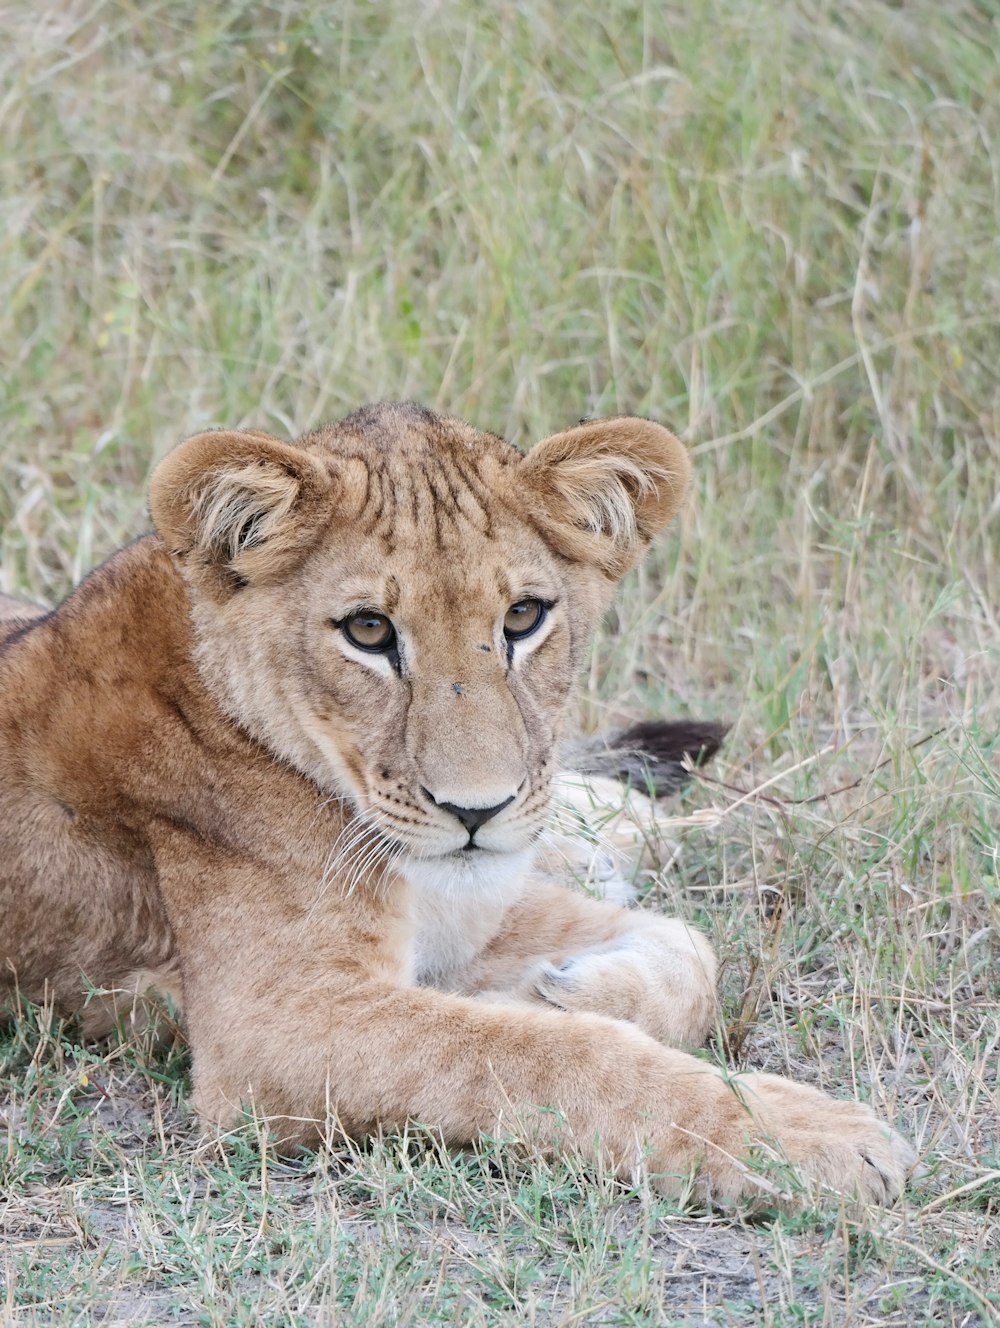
x=775, y=227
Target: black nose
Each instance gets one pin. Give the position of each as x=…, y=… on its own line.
x=472, y=817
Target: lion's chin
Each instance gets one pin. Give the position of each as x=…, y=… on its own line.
x=460, y=873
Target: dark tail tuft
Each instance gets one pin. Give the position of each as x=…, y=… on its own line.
x=649, y=756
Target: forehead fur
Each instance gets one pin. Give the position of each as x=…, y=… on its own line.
x=398, y=437
x=387, y=428
x=408, y=464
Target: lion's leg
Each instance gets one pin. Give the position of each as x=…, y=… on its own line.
x=377, y=1056
x=302, y=1014
x=562, y=949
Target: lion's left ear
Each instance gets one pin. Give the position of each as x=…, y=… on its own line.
x=606, y=488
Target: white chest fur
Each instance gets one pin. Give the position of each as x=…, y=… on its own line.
x=458, y=907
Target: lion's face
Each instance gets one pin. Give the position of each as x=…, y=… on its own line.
x=434, y=669
x=398, y=604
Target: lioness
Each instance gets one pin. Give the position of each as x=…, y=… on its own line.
x=288, y=759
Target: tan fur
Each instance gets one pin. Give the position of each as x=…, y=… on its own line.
x=205, y=787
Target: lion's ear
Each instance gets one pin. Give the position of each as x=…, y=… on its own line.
x=237, y=508
x=607, y=487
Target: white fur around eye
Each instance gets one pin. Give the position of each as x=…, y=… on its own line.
x=377, y=663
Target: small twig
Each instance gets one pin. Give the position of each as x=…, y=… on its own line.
x=815, y=797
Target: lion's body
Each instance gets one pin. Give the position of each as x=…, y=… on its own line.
x=322, y=850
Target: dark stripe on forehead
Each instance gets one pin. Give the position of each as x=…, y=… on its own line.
x=478, y=490
x=468, y=503
x=431, y=475
x=454, y=498
x=414, y=505
x=368, y=491
x=419, y=500
x=438, y=513
x=375, y=500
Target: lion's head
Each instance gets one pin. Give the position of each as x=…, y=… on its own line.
x=397, y=604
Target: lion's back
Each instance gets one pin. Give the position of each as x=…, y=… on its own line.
x=16, y=615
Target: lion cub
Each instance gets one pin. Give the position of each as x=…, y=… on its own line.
x=289, y=760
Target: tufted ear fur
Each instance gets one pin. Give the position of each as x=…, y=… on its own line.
x=605, y=488
x=238, y=508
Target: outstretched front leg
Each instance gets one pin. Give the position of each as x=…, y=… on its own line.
x=562, y=949
x=295, y=1013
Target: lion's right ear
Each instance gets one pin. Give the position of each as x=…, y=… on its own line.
x=237, y=508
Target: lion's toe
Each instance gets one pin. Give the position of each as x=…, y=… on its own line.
x=839, y=1145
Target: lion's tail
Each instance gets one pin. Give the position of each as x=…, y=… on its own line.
x=654, y=756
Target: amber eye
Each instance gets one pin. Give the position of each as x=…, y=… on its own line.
x=369, y=631
x=523, y=618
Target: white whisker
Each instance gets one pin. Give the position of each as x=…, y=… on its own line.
x=361, y=828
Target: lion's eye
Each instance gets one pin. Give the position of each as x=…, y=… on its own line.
x=523, y=618
x=369, y=631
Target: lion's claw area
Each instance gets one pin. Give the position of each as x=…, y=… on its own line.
x=837, y=1144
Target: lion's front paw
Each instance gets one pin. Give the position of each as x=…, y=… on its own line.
x=616, y=984
x=662, y=981
x=840, y=1145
